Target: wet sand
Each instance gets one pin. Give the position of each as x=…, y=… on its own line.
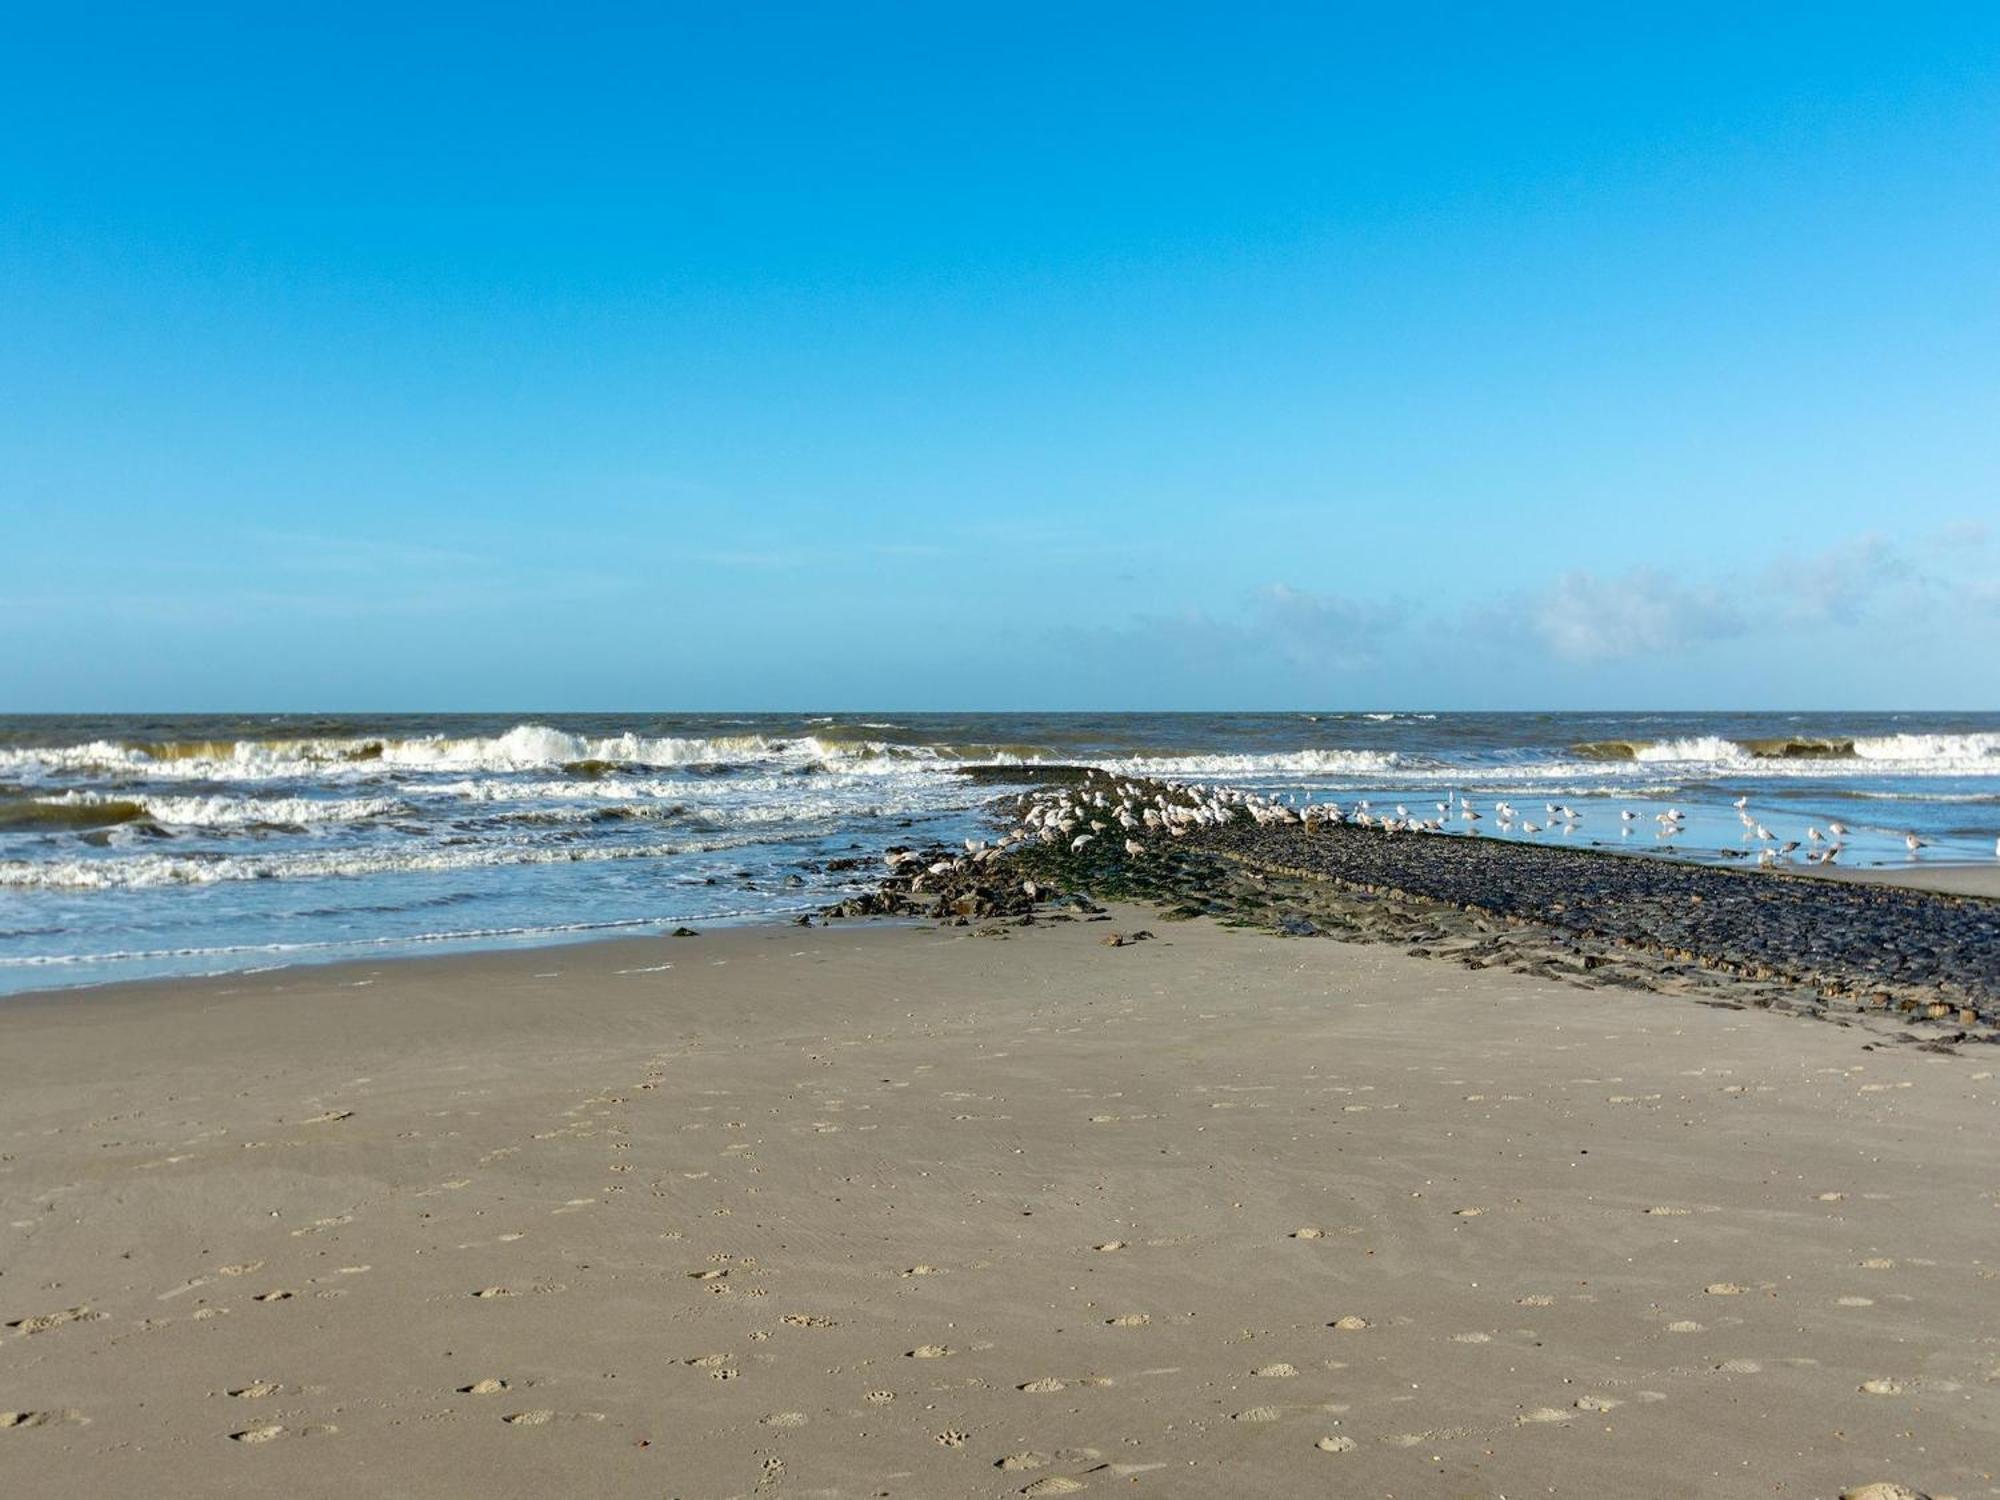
x=895, y=1211
x=1918, y=875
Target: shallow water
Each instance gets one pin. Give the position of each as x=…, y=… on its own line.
x=143, y=845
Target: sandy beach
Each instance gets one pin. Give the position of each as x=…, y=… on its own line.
x=885, y=1210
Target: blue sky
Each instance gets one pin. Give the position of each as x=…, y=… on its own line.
x=1000, y=356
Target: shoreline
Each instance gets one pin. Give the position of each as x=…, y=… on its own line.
x=1589, y=916
x=1961, y=880
x=931, y=1213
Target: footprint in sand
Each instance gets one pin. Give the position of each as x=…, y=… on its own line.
x=1308, y=1234
x=1055, y=1484
x=1542, y=1414
x=1015, y=1462
x=257, y=1390
x=1881, y=1388
x=1257, y=1414
x=488, y=1387
x=1597, y=1403
x=1335, y=1445
x=1349, y=1324
x=1129, y=1320
x=1275, y=1372
x=1685, y=1326
x=1739, y=1367
x=951, y=1437
x=783, y=1419
x=1109, y=1245
x=276, y=1296
x=1723, y=1289
x=69, y=1416
x=256, y=1434
x=43, y=1322
x=879, y=1398
x=1472, y=1338
x=931, y=1351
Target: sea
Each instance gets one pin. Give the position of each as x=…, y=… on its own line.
x=143, y=846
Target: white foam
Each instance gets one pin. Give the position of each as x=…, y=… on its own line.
x=153, y=870
x=237, y=812
x=1272, y=764
x=525, y=747
x=1707, y=748
x=1964, y=752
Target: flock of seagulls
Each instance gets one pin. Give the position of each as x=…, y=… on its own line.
x=1107, y=807
x=1826, y=846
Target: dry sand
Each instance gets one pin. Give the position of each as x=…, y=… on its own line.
x=900, y=1212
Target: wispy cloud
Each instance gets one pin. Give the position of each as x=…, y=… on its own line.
x=1583, y=618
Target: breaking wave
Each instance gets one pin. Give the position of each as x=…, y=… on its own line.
x=1957, y=754
x=98, y=808
x=153, y=870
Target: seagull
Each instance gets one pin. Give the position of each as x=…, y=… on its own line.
x=1913, y=843
x=1076, y=844
x=1838, y=830
x=1134, y=848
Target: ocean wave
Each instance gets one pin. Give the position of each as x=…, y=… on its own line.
x=1973, y=754
x=148, y=871
x=42, y=814
x=1958, y=749
x=1266, y=764
x=224, y=812
x=525, y=747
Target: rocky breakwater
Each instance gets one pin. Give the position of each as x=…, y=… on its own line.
x=1927, y=962
x=979, y=883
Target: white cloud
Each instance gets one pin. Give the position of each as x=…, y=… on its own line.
x=1303, y=630
x=1584, y=618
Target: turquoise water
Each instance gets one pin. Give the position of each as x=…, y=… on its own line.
x=140, y=846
